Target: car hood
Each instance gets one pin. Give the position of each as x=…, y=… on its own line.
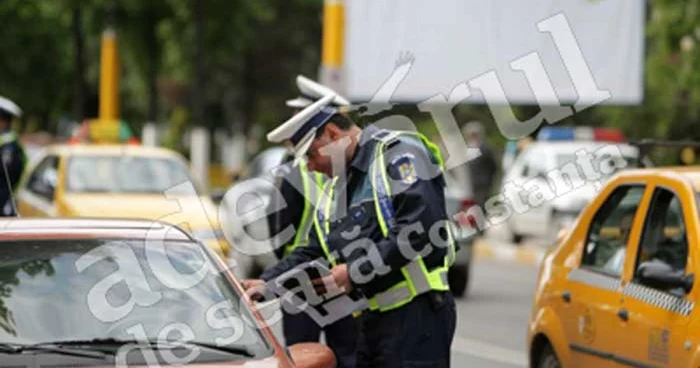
x=198, y=212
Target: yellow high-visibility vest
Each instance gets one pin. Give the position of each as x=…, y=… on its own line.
x=417, y=278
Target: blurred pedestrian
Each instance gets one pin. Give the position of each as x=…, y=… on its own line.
x=482, y=169
x=12, y=155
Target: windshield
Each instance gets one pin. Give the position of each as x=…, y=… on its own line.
x=67, y=290
x=126, y=174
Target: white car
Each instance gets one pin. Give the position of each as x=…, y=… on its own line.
x=545, y=166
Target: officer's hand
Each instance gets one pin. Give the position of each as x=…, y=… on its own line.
x=339, y=278
x=254, y=288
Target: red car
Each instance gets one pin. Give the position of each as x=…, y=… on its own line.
x=101, y=293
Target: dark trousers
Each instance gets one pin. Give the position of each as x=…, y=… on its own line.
x=418, y=334
x=341, y=336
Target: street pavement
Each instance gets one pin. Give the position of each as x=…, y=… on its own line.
x=492, y=318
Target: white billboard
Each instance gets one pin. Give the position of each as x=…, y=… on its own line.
x=546, y=52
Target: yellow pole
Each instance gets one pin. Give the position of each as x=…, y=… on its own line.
x=333, y=24
x=109, y=78
x=332, y=43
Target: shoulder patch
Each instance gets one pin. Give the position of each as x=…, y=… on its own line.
x=406, y=167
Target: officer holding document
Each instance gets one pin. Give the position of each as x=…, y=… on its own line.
x=298, y=188
x=382, y=226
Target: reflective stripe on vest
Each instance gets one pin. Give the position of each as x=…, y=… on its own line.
x=417, y=278
x=301, y=238
x=322, y=218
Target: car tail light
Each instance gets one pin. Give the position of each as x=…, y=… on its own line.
x=467, y=203
x=463, y=217
x=608, y=135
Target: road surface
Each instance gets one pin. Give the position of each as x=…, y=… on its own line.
x=492, y=320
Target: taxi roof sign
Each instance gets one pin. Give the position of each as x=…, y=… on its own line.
x=105, y=131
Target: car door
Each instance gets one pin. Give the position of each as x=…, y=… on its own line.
x=591, y=292
x=521, y=177
x=537, y=218
x=38, y=197
x=656, y=317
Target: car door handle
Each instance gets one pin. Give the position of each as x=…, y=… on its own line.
x=566, y=296
x=623, y=314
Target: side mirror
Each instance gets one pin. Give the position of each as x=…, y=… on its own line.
x=661, y=276
x=218, y=196
x=312, y=355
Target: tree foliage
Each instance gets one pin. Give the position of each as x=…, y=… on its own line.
x=251, y=49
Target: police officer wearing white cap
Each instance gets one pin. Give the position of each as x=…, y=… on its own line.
x=12, y=155
x=298, y=189
x=392, y=244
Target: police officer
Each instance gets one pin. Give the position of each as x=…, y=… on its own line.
x=385, y=234
x=298, y=188
x=12, y=155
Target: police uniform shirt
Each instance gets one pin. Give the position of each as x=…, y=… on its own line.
x=417, y=195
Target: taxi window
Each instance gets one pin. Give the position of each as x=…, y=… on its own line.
x=124, y=174
x=44, y=179
x=606, y=243
x=665, y=235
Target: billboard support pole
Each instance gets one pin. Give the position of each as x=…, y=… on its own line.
x=331, y=73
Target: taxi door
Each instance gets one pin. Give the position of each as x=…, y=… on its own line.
x=657, y=315
x=37, y=198
x=592, y=292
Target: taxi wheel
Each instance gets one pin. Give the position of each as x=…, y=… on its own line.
x=548, y=359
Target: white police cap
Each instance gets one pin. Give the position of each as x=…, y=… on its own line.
x=299, y=103
x=301, y=128
x=10, y=107
x=312, y=91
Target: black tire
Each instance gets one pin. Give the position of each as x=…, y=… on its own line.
x=548, y=358
x=458, y=278
x=515, y=238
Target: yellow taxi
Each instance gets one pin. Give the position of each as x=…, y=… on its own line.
x=119, y=181
x=619, y=289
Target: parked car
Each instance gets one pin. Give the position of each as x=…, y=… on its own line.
x=101, y=292
x=119, y=181
x=555, y=153
x=619, y=287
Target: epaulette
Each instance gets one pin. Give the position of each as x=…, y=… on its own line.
x=387, y=137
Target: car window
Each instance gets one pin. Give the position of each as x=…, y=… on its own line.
x=125, y=174
x=664, y=238
x=44, y=179
x=120, y=289
x=606, y=243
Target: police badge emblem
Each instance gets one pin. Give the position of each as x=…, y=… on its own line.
x=407, y=172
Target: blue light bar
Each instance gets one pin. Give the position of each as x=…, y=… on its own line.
x=556, y=134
